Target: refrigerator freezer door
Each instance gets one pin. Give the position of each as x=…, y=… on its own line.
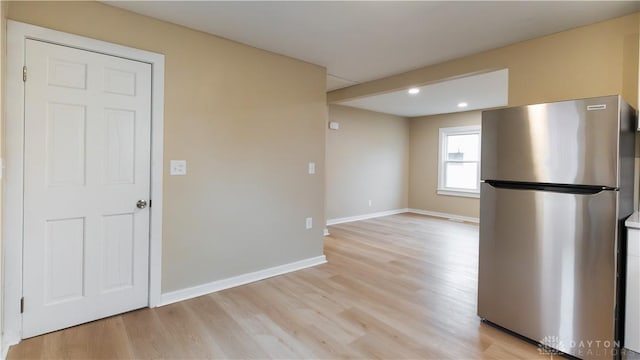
x=570, y=142
x=547, y=266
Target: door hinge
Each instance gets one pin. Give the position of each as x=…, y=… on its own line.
x=24, y=73
x=21, y=305
x=150, y=203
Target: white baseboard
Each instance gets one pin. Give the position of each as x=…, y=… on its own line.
x=445, y=215
x=365, y=216
x=400, y=211
x=8, y=341
x=204, y=289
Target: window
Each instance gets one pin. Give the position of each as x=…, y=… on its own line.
x=459, y=162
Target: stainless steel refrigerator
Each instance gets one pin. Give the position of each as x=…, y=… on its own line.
x=557, y=184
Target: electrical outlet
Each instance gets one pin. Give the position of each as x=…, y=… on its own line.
x=312, y=168
x=309, y=223
x=370, y=203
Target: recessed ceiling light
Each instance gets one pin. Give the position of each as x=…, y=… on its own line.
x=414, y=91
x=463, y=105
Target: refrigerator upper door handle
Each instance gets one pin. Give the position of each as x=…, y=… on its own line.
x=558, y=188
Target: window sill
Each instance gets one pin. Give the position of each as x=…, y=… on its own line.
x=469, y=194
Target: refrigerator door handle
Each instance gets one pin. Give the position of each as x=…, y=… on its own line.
x=558, y=188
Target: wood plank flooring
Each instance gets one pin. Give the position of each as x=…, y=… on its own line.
x=398, y=287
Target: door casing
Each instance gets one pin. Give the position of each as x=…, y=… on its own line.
x=13, y=140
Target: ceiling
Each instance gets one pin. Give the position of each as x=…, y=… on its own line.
x=359, y=41
x=480, y=91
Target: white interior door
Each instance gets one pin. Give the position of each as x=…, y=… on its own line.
x=87, y=163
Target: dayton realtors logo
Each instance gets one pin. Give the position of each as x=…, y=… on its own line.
x=553, y=345
x=549, y=345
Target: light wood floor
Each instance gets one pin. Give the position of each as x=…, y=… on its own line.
x=398, y=287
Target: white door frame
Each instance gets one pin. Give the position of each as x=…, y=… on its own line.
x=13, y=139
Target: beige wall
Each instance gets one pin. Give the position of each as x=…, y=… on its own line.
x=247, y=121
x=423, y=178
x=367, y=159
x=594, y=60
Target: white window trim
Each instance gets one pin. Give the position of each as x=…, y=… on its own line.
x=12, y=201
x=442, y=153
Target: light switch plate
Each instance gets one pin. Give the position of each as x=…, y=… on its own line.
x=308, y=223
x=312, y=168
x=334, y=125
x=178, y=167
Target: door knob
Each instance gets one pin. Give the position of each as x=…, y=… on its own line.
x=141, y=204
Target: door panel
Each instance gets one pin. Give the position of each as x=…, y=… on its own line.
x=117, y=81
x=87, y=163
x=64, y=260
x=547, y=264
x=67, y=74
x=561, y=143
x=117, y=252
x=120, y=146
x=65, y=141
